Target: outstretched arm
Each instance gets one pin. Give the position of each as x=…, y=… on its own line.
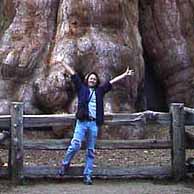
x=128, y=72
x=69, y=69
x=74, y=76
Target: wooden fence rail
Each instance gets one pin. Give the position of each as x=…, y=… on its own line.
x=176, y=119
x=110, y=119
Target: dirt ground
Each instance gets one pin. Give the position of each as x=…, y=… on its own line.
x=104, y=158
x=99, y=187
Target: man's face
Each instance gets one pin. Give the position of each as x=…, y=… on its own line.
x=92, y=80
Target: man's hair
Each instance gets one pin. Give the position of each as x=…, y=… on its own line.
x=92, y=73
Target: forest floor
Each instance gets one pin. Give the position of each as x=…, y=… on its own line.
x=99, y=187
x=104, y=158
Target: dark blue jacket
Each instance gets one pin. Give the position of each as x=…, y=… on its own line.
x=83, y=95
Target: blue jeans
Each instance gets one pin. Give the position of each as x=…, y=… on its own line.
x=89, y=131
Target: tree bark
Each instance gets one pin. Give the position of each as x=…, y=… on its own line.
x=168, y=35
x=24, y=47
x=92, y=36
x=88, y=35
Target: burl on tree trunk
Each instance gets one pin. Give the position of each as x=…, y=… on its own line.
x=89, y=35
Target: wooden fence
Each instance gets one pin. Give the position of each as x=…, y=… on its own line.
x=177, y=118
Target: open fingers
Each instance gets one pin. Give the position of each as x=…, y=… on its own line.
x=130, y=72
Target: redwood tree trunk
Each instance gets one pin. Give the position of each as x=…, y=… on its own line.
x=89, y=35
x=168, y=35
x=94, y=35
x=24, y=48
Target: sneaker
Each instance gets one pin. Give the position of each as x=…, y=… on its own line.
x=63, y=169
x=87, y=180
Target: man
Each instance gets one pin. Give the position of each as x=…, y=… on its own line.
x=92, y=94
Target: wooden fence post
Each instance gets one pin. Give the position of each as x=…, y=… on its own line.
x=16, y=144
x=178, y=141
